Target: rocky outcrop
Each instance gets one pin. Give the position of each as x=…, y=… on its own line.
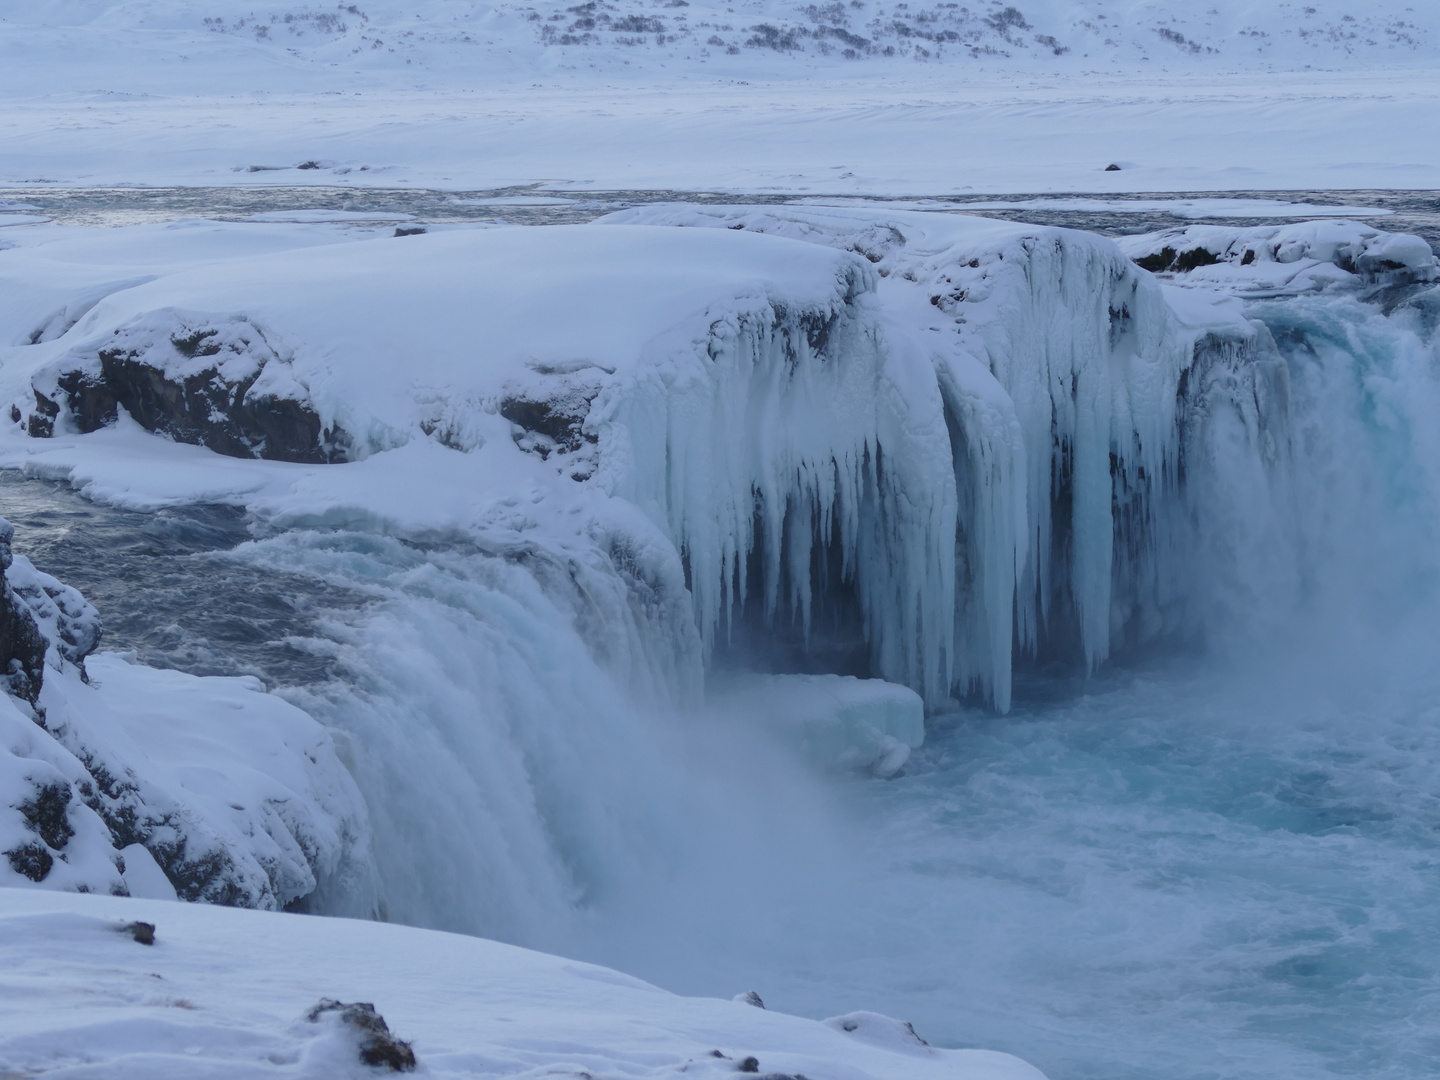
x=1285, y=258
x=217, y=384
x=22, y=649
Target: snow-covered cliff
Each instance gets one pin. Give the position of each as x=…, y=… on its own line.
x=122, y=779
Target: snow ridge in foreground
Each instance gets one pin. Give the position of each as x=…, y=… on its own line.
x=226, y=993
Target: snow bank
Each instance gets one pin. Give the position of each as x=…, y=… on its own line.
x=237, y=796
x=224, y=992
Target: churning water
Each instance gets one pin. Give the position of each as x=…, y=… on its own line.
x=1196, y=867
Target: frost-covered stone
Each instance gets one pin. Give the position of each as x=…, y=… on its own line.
x=1306, y=256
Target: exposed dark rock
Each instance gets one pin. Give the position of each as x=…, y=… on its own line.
x=560, y=421
x=143, y=932
x=202, y=409
x=1112, y=167
x=378, y=1047
x=412, y=230
x=45, y=811
x=32, y=860
x=750, y=997
x=22, y=648
x=160, y=385
x=1168, y=259
x=749, y=1064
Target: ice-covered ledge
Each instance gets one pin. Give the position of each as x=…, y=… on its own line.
x=227, y=992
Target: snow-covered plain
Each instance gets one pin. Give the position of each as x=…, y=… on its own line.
x=757, y=95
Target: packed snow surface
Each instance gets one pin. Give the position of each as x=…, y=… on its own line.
x=222, y=992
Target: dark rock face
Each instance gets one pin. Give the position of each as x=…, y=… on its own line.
x=46, y=813
x=1167, y=259
x=32, y=860
x=169, y=384
x=549, y=419
x=22, y=649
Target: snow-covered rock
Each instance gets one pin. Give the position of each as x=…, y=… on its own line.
x=120, y=778
x=1284, y=259
x=22, y=648
x=233, y=993
x=236, y=796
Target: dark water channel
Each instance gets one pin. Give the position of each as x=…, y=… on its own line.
x=1415, y=212
x=166, y=588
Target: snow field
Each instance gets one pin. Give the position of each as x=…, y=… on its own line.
x=223, y=992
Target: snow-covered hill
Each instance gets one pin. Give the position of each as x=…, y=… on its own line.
x=848, y=96
x=459, y=42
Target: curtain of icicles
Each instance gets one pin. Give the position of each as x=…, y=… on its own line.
x=974, y=497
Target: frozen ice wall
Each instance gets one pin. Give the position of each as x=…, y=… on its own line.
x=1056, y=367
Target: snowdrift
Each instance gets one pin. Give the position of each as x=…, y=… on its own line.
x=235, y=993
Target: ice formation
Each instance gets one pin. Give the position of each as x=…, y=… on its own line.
x=897, y=445
x=1056, y=366
x=885, y=458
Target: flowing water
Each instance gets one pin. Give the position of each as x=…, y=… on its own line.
x=1197, y=866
